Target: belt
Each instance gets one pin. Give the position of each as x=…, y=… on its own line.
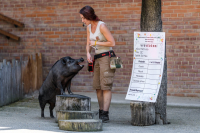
x=109, y=53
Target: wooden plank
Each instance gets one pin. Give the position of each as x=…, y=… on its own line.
x=12, y=21
x=4, y=81
x=13, y=81
x=11, y=89
x=18, y=79
x=20, y=75
x=34, y=72
x=6, y=84
x=9, y=35
x=1, y=83
x=39, y=71
x=32, y=75
x=26, y=85
x=9, y=82
x=30, y=71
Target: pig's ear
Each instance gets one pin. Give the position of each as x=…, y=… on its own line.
x=63, y=61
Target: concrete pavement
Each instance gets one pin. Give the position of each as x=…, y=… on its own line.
x=24, y=116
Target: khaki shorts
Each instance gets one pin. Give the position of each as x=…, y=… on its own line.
x=103, y=75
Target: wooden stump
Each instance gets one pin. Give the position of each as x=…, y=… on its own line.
x=83, y=125
x=142, y=113
x=67, y=115
x=73, y=102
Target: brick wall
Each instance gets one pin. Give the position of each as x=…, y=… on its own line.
x=181, y=21
x=54, y=28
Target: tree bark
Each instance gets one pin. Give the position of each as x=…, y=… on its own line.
x=151, y=16
x=142, y=113
x=151, y=22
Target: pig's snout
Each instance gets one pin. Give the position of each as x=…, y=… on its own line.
x=81, y=60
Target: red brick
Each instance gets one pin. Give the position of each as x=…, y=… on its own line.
x=174, y=31
x=108, y=9
x=129, y=1
x=53, y=36
x=188, y=6
x=31, y=15
x=196, y=91
x=174, y=3
x=180, y=11
x=65, y=25
x=60, y=32
x=192, y=34
x=167, y=3
x=178, y=94
x=48, y=32
x=174, y=7
x=42, y=15
x=191, y=95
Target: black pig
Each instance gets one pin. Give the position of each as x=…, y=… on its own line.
x=58, y=79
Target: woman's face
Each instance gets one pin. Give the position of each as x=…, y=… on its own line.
x=84, y=20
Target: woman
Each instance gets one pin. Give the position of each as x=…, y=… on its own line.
x=99, y=36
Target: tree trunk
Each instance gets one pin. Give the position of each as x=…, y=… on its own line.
x=151, y=22
x=151, y=16
x=142, y=113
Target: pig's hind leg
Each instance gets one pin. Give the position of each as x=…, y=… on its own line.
x=42, y=106
x=51, y=107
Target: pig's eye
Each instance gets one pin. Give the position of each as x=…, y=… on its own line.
x=70, y=61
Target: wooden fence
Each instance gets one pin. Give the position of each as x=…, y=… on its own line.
x=19, y=78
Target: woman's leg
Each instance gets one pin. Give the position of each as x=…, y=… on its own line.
x=107, y=95
x=100, y=98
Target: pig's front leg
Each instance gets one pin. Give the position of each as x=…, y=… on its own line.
x=68, y=87
x=59, y=85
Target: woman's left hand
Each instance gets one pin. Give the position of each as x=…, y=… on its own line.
x=92, y=43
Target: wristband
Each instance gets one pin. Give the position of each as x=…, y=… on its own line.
x=95, y=43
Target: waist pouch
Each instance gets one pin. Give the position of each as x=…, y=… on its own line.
x=115, y=62
x=91, y=66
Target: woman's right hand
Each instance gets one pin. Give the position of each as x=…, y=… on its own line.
x=89, y=58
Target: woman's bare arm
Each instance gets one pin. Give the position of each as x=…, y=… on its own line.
x=88, y=48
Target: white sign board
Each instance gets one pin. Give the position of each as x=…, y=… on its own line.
x=148, y=64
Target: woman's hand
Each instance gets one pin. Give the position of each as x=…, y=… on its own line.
x=89, y=58
x=92, y=43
